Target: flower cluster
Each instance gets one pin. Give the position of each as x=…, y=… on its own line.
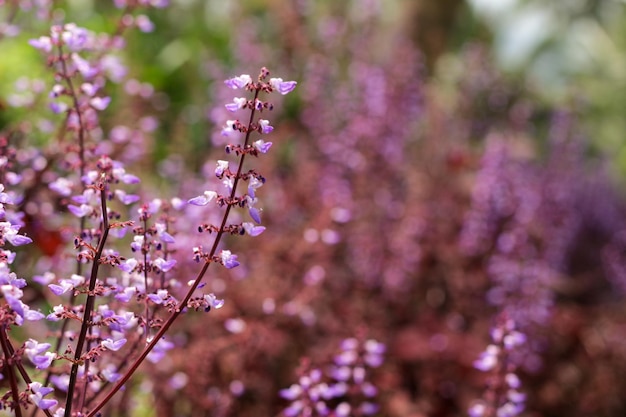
x=502, y=397
x=344, y=390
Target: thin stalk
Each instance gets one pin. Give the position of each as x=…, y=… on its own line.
x=9, y=363
x=181, y=305
x=89, y=303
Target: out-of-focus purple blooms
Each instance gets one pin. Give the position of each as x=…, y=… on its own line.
x=262, y=146
x=144, y=23
x=43, y=43
x=125, y=198
x=80, y=211
x=159, y=351
x=283, y=87
x=488, y=359
x=83, y=66
x=204, y=199
x=229, y=260
x=239, y=82
x=100, y=103
x=61, y=185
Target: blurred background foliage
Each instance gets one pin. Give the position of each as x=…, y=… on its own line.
x=558, y=54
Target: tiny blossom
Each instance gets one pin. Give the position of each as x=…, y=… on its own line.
x=80, y=211
x=61, y=185
x=9, y=233
x=239, y=82
x=161, y=230
x=229, y=128
x=254, y=212
x=43, y=43
x=163, y=264
x=235, y=326
x=38, y=392
x=283, y=87
x=228, y=259
x=113, y=345
x=221, y=167
x=253, y=230
x=144, y=23
x=213, y=301
x=100, y=103
x=262, y=146
x=125, y=198
x=265, y=127
x=238, y=103
x=128, y=265
x=204, y=199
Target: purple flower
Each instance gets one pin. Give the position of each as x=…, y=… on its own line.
x=262, y=146
x=113, y=345
x=239, y=82
x=43, y=43
x=80, y=211
x=265, y=127
x=238, y=103
x=38, y=392
x=100, y=103
x=213, y=301
x=62, y=186
x=126, y=199
x=203, y=200
x=253, y=230
x=283, y=87
x=164, y=265
x=228, y=259
x=221, y=167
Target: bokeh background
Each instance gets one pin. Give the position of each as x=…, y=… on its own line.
x=441, y=163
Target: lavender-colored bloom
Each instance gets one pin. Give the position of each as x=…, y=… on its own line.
x=100, y=103
x=291, y=393
x=80, y=211
x=162, y=233
x=128, y=265
x=265, y=127
x=239, y=82
x=283, y=87
x=253, y=230
x=38, y=392
x=229, y=260
x=164, y=265
x=204, y=199
x=61, y=185
x=262, y=146
x=238, y=103
x=113, y=345
x=213, y=301
x=43, y=43
x=125, y=198
x=221, y=167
